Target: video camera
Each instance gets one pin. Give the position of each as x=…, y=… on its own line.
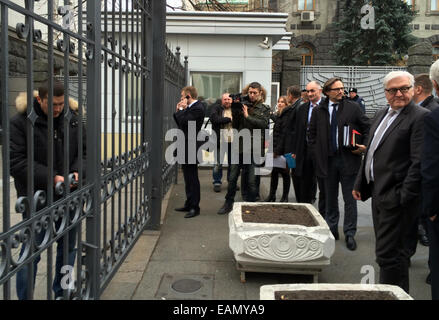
x=238, y=100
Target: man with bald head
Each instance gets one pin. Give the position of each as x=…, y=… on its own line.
x=221, y=118
x=305, y=169
x=390, y=174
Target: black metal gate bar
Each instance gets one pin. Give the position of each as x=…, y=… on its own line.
x=5, y=246
x=134, y=125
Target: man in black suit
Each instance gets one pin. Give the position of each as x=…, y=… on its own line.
x=423, y=97
x=390, y=174
x=337, y=160
x=430, y=184
x=305, y=172
x=190, y=113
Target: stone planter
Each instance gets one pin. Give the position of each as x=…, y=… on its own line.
x=280, y=248
x=333, y=291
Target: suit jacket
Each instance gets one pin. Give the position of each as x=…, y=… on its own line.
x=349, y=113
x=430, y=164
x=299, y=143
x=430, y=103
x=397, y=159
x=193, y=114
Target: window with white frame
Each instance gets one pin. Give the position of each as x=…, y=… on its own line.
x=434, y=5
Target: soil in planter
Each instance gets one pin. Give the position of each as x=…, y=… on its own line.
x=280, y=214
x=333, y=295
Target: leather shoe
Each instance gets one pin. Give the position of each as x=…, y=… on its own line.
x=217, y=187
x=424, y=240
x=182, y=209
x=226, y=208
x=350, y=243
x=192, y=213
x=335, y=234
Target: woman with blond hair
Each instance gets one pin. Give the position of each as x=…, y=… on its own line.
x=281, y=145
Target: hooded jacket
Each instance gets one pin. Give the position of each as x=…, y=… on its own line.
x=19, y=144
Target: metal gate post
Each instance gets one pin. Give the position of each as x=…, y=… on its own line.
x=92, y=245
x=155, y=118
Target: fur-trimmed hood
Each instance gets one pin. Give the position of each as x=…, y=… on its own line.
x=21, y=102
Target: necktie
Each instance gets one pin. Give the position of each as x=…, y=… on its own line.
x=334, y=128
x=376, y=139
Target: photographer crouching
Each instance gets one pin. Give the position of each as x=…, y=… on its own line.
x=248, y=113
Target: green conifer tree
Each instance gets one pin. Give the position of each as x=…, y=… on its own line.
x=383, y=45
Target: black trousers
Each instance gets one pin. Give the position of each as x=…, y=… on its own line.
x=337, y=176
x=275, y=180
x=192, y=186
x=433, y=237
x=305, y=185
x=392, y=227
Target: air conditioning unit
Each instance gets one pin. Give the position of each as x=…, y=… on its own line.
x=307, y=16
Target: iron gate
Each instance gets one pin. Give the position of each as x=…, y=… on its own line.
x=120, y=84
x=368, y=80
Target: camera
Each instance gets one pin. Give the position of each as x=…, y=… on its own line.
x=238, y=100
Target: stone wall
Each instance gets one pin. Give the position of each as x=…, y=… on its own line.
x=420, y=58
x=17, y=72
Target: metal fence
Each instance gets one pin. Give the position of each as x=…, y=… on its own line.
x=368, y=81
x=127, y=82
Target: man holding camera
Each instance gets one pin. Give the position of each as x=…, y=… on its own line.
x=248, y=112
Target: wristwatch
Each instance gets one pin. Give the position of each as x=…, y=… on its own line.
x=180, y=108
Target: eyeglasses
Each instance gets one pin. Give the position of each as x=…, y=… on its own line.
x=336, y=89
x=393, y=91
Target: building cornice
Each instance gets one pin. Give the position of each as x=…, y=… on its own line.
x=228, y=23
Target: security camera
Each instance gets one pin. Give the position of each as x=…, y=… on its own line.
x=264, y=44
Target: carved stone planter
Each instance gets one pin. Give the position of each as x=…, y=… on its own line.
x=332, y=291
x=280, y=248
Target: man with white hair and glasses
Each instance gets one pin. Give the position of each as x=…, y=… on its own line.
x=390, y=174
x=430, y=183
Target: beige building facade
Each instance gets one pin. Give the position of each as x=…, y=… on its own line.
x=311, y=23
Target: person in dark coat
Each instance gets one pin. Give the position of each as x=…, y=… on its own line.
x=390, y=174
x=221, y=119
x=190, y=112
x=251, y=119
x=294, y=101
x=41, y=173
x=282, y=134
x=430, y=184
x=423, y=89
x=305, y=163
x=353, y=96
x=338, y=161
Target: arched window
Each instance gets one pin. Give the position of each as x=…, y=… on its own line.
x=436, y=51
x=307, y=55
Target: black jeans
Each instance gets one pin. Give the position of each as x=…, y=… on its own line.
x=248, y=173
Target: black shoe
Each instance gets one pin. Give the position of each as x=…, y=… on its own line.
x=350, y=243
x=192, y=213
x=226, y=208
x=217, y=187
x=183, y=209
x=424, y=240
x=422, y=236
x=335, y=234
x=428, y=279
x=284, y=199
x=257, y=198
x=271, y=198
